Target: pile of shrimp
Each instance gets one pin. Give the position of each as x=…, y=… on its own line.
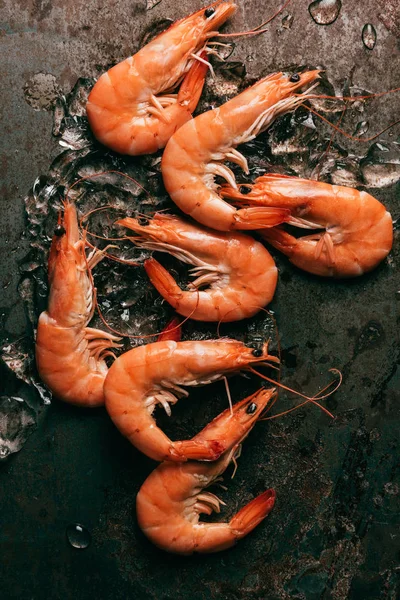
x=141, y=105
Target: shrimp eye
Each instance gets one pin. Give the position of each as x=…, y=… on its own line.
x=209, y=12
x=257, y=352
x=244, y=189
x=295, y=78
x=143, y=221
x=251, y=409
x=59, y=230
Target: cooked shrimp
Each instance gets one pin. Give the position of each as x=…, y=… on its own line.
x=153, y=374
x=240, y=273
x=358, y=229
x=172, y=331
x=194, y=154
x=132, y=108
x=69, y=355
x=170, y=501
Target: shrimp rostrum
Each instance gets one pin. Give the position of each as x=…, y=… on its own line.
x=172, y=498
x=237, y=272
x=195, y=154
x=357, y=230
x=69, y=355
x=133, y=108
x=152, y=375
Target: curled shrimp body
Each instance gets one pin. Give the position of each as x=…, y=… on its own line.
x=70, y=355
x=238, y=272
x=194, y=154
x=154, y=374
x=358, y=230
x=171, y=500
x=132, y=108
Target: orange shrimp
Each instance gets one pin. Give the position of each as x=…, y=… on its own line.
x=153, y=374
x=240, y=273
x=358, y=229
x=69, y=355
x=131, y=109
x=170, y=501
x=172, y=331
x=194, y=154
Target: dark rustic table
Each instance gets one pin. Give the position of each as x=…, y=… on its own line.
x=334, y=533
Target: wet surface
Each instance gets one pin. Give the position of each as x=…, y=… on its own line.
x=334, y=530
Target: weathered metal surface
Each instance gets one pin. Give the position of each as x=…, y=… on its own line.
x=334, y=533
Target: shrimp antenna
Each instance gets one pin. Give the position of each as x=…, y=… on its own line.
x=350, y=99
x=348, y=135
x=86, y=232
x=257, y=30
x=326, y=152
x=107, y=239
x=228, y=393
x=100, y=174
x=319, y=396
x=353, y=98
x=275, y=324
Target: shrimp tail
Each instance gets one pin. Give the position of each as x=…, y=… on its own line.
x=164, y=283
x=259, y=218
x=192, y=86
x=252, y=514
x=172, y=331
x=280, y=239
x=209, y=450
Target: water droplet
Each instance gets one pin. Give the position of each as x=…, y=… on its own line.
x=17, y=421
x=233, y=69
x=372, y=336
x=78, y=536
x=77, y=98
x=125, y=315
x=325, y=88
x=151, y=4
x=391, y=488
x=287, y=21
x=361, y=128
x=325, y=12
x=381, y=166
x=226, y=51
x=4, y=452
x=58, y=116
x=345, y=172
x=288, y=136
x=368, y=36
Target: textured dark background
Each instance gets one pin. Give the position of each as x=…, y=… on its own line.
x=335, y=530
